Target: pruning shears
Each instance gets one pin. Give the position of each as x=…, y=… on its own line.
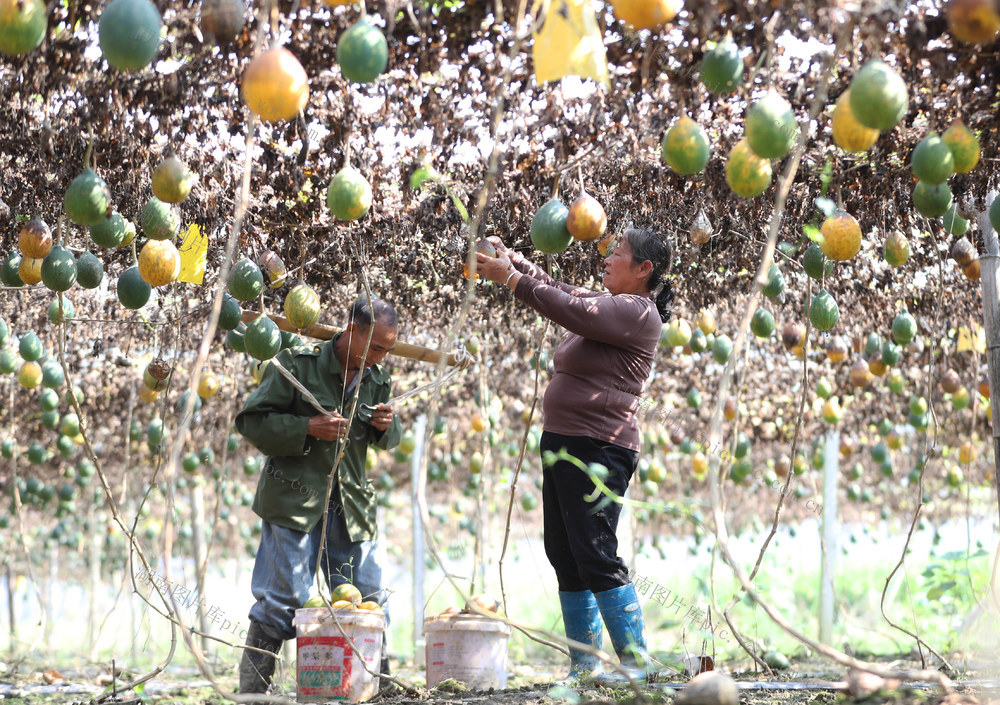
x=364, y=412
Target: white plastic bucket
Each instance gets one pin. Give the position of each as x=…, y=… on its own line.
x=469, y=648
x=327, y=668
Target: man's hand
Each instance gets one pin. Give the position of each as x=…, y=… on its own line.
x=382, y=417
x=328, y=427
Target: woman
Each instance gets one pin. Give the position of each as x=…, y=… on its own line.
x=589, y=406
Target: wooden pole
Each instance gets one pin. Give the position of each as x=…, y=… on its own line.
x=322, y=332
x=989, y=264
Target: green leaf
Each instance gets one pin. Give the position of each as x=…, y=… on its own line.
x=458, y=203
x=422, y=175
x=812, y=232
x=946, y=586
x=934, y=593
x=826, y=176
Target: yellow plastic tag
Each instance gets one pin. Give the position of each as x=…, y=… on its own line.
x=971, y=340
x=570, y=42
x=193, y=249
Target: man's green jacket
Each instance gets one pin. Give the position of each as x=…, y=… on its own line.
x=275, y=418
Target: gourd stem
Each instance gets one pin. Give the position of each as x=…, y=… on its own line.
x=302, y=258
x=90, y=150
x=555, y=186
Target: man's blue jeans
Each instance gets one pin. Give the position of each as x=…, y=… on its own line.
x=285, y=569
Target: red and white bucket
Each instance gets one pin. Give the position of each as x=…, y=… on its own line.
x=327, y=668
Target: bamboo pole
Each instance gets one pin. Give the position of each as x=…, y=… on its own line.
x=323, y=332
x=989, y=281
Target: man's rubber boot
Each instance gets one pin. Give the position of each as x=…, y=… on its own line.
x=623, y=617
x=582, y=623
x=257, y=669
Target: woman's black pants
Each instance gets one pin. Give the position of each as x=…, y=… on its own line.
x=580, y=542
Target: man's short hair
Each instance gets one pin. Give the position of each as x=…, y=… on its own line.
x=380, y=310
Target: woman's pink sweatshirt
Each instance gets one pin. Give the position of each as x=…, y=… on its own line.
x=602, y=363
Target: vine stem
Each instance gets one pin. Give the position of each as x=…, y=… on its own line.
x=767, y=257
x=517, y=469
x=303, y=249
x=241, y=206
x=329, y=488
x=485, y=194
x=134, y=546
x=784, y=490
x=90, y=150
x=489, y=185
x=721, y=530
x=22, y=535
x=578, y=160
x=929, y=447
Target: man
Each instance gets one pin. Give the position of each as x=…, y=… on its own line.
x=302, y=446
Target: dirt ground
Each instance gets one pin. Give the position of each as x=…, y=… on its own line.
x=804, y=684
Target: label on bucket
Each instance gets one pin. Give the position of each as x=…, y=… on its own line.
x=324, y=667
x=478, y=659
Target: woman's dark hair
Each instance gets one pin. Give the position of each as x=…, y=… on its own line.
x=380, y=310
x=646, y=245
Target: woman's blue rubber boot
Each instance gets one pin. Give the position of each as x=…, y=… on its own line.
x=623, y=617
x=582, y=622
